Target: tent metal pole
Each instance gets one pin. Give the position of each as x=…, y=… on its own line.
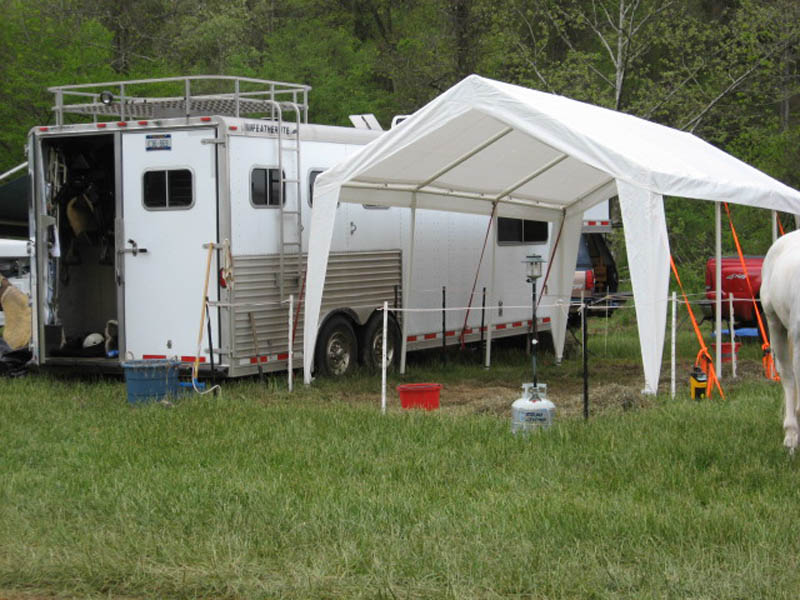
x=545, y=206
x=530, y=177
x=718, y=324
x=492, y=298
x=407, y=284
x=464, y=157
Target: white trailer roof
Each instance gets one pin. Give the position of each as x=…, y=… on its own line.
x=485, y=143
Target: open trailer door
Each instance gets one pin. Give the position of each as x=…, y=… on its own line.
x=169, y=213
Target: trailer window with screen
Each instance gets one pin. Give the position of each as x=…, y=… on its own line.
x=265, y=187
x=168, y=189
x=312, y=178
x=521, y=231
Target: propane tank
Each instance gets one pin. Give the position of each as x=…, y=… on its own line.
x=533, y=410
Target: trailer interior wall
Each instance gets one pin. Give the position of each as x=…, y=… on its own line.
x=78, y=255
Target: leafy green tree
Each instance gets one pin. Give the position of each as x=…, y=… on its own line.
x=41, y=46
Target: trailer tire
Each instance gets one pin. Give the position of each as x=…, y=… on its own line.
x=337, y=348
x=372, y=342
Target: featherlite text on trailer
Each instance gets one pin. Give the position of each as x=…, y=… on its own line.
x=136, y=179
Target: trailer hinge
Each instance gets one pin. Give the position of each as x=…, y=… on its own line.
x=213, y=141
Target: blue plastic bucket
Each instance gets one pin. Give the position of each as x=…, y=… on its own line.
x=148, y=380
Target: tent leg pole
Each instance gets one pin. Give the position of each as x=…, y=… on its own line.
x=407, y=286
x=718, y=324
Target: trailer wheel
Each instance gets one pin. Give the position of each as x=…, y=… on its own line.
x=337, y=348
x=372, y=342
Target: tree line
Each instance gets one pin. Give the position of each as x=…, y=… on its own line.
x=726, y=70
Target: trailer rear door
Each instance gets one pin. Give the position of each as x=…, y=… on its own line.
x=169, y=212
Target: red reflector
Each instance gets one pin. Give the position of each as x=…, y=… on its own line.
x=501, y=326
x=101, y=125
x=122, y=124
x=233, y=128
x=142, y=122
x=222, y=283
x=430, y=336
x=546, y=320
x=153, y=356
x=604, y=222
x=283, y=356
x=517, y=324
x=205, y=119
x=44, y=129
x=591, y=223
x=450, y=333
x=589, y=280
x=411, y=338
x=190, y=359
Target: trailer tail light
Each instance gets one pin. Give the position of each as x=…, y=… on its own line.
x=589, y=280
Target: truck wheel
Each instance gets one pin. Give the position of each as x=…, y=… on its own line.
x=372, y=342
x=337, y=348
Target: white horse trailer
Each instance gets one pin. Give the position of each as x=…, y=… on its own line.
x=128, y=196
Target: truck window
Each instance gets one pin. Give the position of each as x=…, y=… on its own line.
x=520, y=231
x=264, y=190
x=168, y=189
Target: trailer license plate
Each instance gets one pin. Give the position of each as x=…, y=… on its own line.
x=161, y=141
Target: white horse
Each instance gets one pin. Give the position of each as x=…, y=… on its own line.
x=780, y=298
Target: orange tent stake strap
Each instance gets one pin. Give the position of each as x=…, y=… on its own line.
x=703, y=359
x=767, y=360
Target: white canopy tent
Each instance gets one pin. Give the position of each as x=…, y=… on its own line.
x=485, y=145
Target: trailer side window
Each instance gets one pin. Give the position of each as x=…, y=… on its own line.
x=265, y=187
x=521, y=231
x=168, y=189
x=312, y=178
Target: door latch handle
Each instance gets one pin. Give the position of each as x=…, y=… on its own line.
x=134, y=249
x=353, y=228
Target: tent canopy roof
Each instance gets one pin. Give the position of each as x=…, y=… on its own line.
x=539, y=154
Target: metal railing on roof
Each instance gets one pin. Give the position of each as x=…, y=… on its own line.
x=189, y=96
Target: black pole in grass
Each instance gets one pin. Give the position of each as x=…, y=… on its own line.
x=483, y=316
x=585, y=363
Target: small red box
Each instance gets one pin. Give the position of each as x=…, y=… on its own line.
x=419, y=395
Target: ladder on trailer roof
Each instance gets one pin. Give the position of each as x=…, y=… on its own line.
x=290, y=257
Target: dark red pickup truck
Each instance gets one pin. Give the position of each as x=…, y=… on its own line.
x=734, y=282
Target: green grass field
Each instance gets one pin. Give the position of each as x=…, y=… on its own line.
x=262, y=494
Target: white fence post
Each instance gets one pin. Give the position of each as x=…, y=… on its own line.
x=291, y=349
x=733, y=336
x=672, y=343
x=383, y=356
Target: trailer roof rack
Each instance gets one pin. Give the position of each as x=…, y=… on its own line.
x=190, y=96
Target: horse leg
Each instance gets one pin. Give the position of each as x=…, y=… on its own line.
x=794, y=349
x=784, y=363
